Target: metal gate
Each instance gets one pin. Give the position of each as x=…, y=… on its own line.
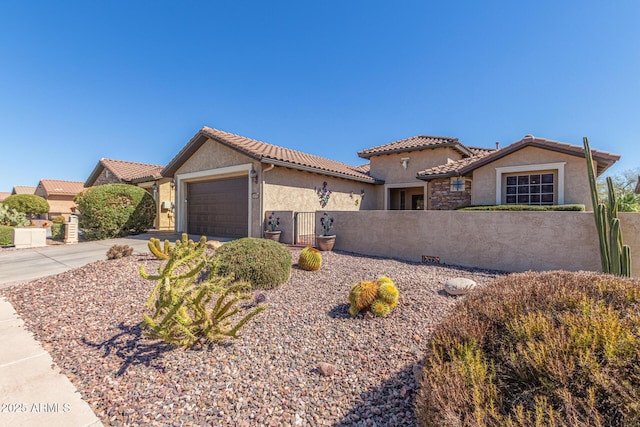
x=305, y=228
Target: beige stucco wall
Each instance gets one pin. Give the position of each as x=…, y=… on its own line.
x=165, y=218
x=509, y=241
x=576, y=184
x=388, y=167
x=290, y=189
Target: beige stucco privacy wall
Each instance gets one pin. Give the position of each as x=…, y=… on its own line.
x=509, y=241
x=576, y=186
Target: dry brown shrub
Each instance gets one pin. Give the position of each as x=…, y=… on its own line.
x=537, y=349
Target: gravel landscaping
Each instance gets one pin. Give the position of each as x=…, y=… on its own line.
x=89, y=320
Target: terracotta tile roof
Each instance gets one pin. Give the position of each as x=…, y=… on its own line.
x=266, y=153
x=466, y=166
x=23, y=189
x=125, y=171
x=452, y=168
x=4, y=195
x=419, y=142
x=57, y=187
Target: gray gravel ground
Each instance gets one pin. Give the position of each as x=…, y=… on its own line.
x=89, y=320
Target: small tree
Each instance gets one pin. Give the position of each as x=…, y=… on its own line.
x=29, y=204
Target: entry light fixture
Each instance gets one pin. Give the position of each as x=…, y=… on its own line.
x=405, y=162
x=254, y=175
x=172, y=184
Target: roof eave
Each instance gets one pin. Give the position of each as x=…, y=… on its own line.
x=368, y=180
x=456, y=145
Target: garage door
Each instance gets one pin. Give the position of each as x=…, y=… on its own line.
x=218, y=208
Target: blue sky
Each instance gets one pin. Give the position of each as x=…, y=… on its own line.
x=135, y=80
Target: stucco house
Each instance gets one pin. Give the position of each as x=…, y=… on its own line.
x=227, y=184
x=59, y=194
x=427, y=172
x=147, y=176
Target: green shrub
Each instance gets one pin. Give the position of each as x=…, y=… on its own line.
x=57, y=232
x=189, y=311
x=115, y=210
x=29, y=204
x=264, y=263
x=575, y=207
x=12, y=217
x=59, y=219
x=534, y=349
x=6, y=235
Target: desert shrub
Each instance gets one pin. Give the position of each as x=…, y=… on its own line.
x=191, y=305
x=533, y=349
x=29, y=204
x=6, y=235
x=115, y=210
x=574, y=207
x=58, y=219
x=57, y=231
x=12, y=217
x=264, y=263
x=380, y=297
x=119, y=251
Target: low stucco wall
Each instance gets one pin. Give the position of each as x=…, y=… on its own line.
x=508, y=241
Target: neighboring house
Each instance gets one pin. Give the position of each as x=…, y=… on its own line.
x=147, y=176
x=23, y=189
x=4, y=195
x=226, y=183
x=532, y=171
x=59, y=195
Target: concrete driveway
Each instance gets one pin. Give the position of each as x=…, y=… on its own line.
x=27, y=264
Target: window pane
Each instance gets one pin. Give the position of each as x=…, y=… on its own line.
x=523, y=199
x=523, y=180
x=511, y=199
x=511, y=180
x=511, y=190
x=547, y=178
x=523, y=189
x=535, y=199
x=535, y=189
x=547, y=188
x=547, y=199
x=534, y=179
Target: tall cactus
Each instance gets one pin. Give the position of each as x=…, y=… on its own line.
x=615, y=256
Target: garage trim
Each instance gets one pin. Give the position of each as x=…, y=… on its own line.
x=210, y=174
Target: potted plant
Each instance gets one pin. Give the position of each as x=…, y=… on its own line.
x=272, y=231
x=326, y=241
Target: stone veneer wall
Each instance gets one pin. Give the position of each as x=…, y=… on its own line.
x=103, y=179
x=442, y=198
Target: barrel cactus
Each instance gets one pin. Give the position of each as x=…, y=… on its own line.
x=310, y=259
x=380, y=297
x=388, y=292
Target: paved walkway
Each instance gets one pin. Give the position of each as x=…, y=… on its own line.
x=33, y=392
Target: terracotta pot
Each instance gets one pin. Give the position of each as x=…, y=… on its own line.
x=273, y=235
x=325, y=243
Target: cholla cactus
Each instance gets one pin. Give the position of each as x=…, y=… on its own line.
x=310, y=259
x=164, y=253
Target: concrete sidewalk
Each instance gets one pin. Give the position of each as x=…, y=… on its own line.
x=33, y=392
